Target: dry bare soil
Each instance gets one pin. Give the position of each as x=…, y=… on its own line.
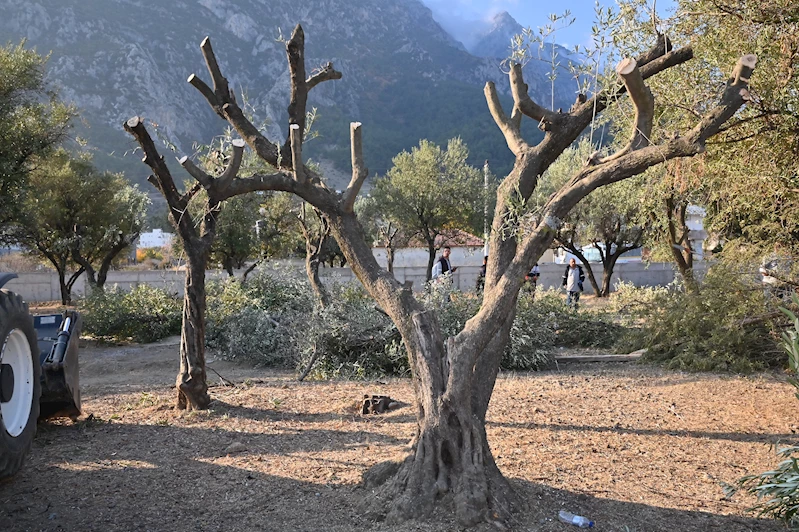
x=633, y=447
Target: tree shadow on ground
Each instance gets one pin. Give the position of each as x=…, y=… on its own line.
x=275, y=414
x=113, y=476
x=785, y=438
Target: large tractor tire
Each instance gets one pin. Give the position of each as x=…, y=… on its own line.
x=20, y=386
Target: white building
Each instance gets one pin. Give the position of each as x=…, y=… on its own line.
x=695, y=221
x=155, y=239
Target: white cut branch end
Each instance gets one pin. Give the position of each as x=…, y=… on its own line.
x=626, y=66
x=749, y=60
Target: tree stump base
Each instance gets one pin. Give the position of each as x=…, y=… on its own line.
x=376, y=404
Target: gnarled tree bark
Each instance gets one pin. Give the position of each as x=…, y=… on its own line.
x=450, y=462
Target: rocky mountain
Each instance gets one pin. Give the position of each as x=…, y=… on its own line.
x=404, y=77
x=496, y=41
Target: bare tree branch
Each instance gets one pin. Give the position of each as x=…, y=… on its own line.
x=584, y=113
x=509, y=127
x=221, y=89
x=295, y=52
x=526, y=105
x=135, y=126
x=161, y=176
x=325, y=74
x=196, y=172
x=207, y=93
x=232, y=169
x=225, y=105
x=644, y=104
x=266, y=149
x=359, y=171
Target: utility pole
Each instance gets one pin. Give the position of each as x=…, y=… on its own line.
x=486, y=173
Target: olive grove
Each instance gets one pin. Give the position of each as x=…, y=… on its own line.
x=450, y=463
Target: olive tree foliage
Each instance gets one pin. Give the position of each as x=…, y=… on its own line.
x=450, y=463
x=32, y=121
x=748, y=179
x=429, y=190
x=78, y=219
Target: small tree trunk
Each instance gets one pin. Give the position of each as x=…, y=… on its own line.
x=607, y=273
x=590, y=273
x=431, y=257
x=679, y=243
x=312, y=269
x=192, y=386
x=390, y=258
x=66, y=293
x=249, y=270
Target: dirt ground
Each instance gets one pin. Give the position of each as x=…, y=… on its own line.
x=633, y=447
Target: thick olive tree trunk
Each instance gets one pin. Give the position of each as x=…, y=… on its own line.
x=450, y=462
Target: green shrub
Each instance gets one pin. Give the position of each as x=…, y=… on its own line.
x=722, y=326
x=351, y=338
x=777, y=491
x=272, y=319
x=261, y=320
x=630, y=303
x=145, y=314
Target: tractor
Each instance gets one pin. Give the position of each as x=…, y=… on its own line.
x=38, y=373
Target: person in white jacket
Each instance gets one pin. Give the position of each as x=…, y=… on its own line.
x=573, y=279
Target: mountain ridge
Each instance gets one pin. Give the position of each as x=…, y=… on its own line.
x=404, y=77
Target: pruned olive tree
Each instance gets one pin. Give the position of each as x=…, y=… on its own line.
x=450, y=462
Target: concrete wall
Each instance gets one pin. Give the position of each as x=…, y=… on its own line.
x=43, y=286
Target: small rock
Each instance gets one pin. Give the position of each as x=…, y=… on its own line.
x=235, y=447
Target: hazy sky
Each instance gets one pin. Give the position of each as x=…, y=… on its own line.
x=465, y=18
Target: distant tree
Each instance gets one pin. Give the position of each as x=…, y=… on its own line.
x=664, y=197
x=77, y=218
x=430, y=190
x=32, y=121
x=237, y=240
x=611, y=222
x=112, y=226
x=316, y=231
x=381, y=230
x=279, y=233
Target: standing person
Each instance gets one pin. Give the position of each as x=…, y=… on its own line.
x=442, y=267
x=573, y=279
x=532, y=278
x=481, y=277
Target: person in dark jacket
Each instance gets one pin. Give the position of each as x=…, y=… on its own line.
x=442, y=268
x=481, y=277
x=573, y=279
x=531, y=279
